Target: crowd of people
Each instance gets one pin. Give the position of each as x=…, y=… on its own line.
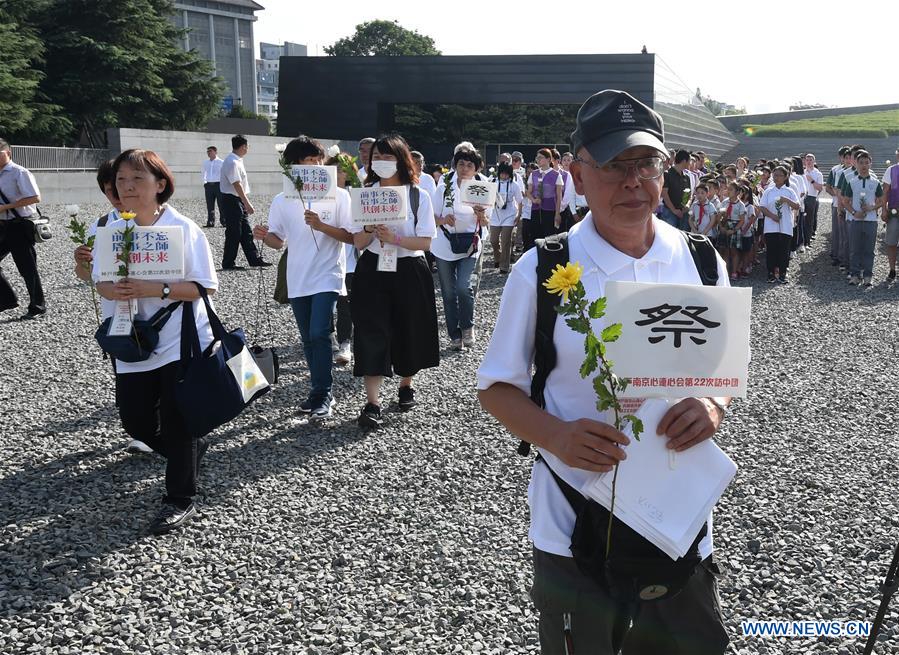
x=611, y=195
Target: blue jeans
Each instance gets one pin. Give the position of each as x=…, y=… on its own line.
x=672, y=219
x=313, y=314
x=458, y=294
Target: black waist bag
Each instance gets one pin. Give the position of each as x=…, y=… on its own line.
x=144, y=337
x=461, y=242
x=635, y=570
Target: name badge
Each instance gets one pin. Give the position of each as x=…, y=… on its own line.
x=120, y=325
x=387, y=259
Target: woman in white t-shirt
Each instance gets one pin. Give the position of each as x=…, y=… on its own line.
x=145, y=390
x=777, y=205
x=463, y=225
x=392, y=301
x=316, y=234
x=505, y=217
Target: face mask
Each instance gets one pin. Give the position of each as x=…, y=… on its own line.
x=384, y=169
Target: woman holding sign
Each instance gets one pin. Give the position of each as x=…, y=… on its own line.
x=316, y=233
x=392, y=301
x=458, y=246
x=146, y=389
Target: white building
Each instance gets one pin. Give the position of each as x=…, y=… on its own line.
x=267, y=76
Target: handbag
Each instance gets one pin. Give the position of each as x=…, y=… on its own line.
x=462, y=243
x=144, y=337
x=41, y=224
x=216, y=384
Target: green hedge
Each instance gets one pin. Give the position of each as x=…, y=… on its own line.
x=873, y=125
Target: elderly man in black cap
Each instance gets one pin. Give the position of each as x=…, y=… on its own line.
x=620, y=151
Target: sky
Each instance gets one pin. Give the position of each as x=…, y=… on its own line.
x=708, y=45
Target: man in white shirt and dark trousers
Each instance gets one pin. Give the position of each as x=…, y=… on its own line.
x=236, y=206
x=19, y=197
x=620, y=151
x=814, y=180
x=212, y=174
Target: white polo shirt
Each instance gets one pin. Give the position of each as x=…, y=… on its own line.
x=17, y=182
x=857, y=187
x=769, y=200
x=510, y=356
x=233, y=171
x=317, y=263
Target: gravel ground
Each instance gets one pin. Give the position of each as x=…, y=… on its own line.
x=321, y=539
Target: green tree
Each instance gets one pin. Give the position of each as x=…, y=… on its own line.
x=117, y=62
x=382, y=37
x=23, y=107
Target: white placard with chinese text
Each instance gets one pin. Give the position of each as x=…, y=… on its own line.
x=680, y=340
x=477, y=192
x=379, y=205
x=319, y=183
x=156, y=253
x=123, y=318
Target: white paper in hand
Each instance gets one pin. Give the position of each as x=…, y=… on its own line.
x=665, y=505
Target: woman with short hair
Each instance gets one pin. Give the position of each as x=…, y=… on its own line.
x=146, y=389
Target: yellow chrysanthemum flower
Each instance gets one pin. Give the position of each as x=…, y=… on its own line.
x=564, y=279
x=128, y=216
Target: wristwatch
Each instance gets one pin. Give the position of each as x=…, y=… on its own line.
x=166, y=290
x=718, y=402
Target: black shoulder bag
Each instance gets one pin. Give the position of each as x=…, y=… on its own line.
x=40, y=225
x=635, y=570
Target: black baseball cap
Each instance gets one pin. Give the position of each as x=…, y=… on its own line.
x=612, y=121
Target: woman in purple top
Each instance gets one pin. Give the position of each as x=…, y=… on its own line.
x=545, y=187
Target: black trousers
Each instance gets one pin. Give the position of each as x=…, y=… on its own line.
x=778, y=252
x=17, y=239
x=149, y=413
x=527, y=236
x=811, y=218
x=237, y=232
x=213, y=195
x=344, y=314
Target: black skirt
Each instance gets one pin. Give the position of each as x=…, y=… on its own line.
x=394, y=318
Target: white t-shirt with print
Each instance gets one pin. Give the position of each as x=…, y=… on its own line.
x=198, y=267
x=425, y=228
x=510, y=356
x=317, y=263
x=769, y=201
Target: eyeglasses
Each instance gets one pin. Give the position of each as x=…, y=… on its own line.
x=647, y=168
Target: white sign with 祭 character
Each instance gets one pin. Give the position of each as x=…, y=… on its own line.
x=477, y=192
x=680, y=340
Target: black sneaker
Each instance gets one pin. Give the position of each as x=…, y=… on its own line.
x=306, y=406
x=260, y=264
x=322, y=408
x=172, y=517
x=771, y=279
x=407, y=399
x=892, y=275
x=370, y=417
x=783, y=279
x=33, y=314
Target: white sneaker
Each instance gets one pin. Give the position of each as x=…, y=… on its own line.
x=137, y=447
x=344, y=354
x=468, y=337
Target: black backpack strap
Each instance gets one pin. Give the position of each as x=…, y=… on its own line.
x=414, y=200
x=551, y=252
x=103, y=220
x=572, y=495
x=704, y=257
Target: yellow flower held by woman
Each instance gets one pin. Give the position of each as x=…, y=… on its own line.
x=128, y=216
x=564, y=279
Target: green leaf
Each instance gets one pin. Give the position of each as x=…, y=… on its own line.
x=597, y=308
x=90, y=241
x=636, y=425
x=623, y=383
x=579, y=324
x=588, y=366
x=603, y=405
x=611, y=333
x=602, y=391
